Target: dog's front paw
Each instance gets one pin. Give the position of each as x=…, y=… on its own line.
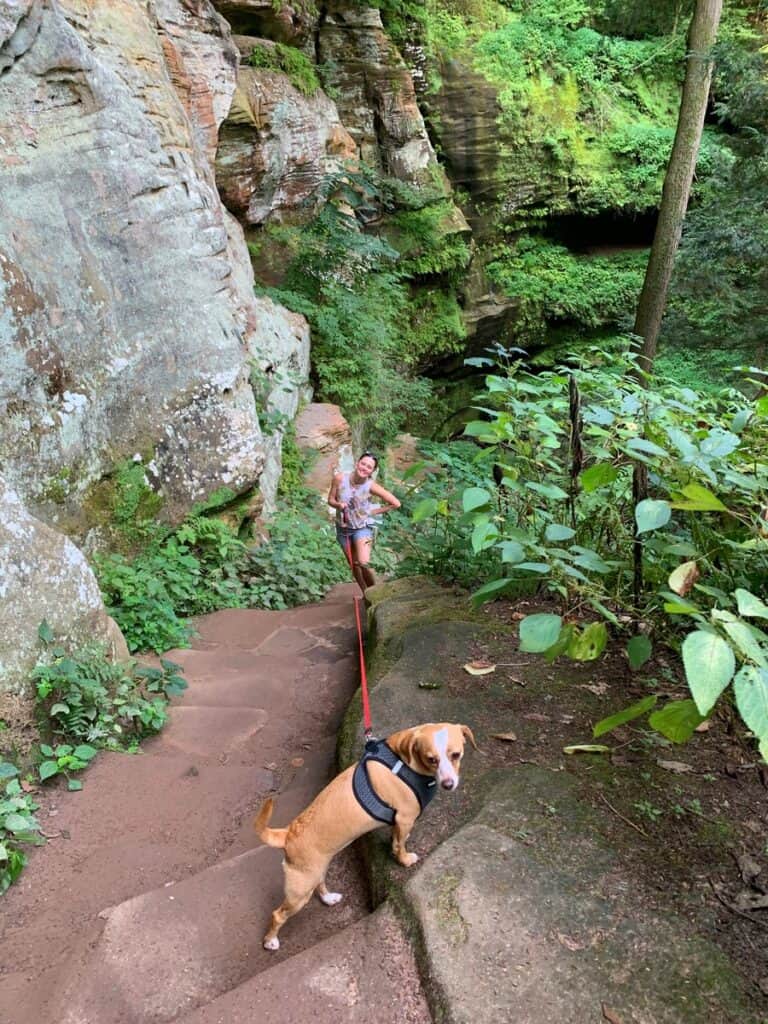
x=408, y=859
x=330, y=899
x=272, y=944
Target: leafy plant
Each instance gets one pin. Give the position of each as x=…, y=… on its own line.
x=18, y=825
x=63, y=760
x=298, y=564
x=92, y=701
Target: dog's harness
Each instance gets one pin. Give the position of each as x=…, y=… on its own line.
x=423, y=787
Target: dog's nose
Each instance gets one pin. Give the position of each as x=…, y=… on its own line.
x=448, y=783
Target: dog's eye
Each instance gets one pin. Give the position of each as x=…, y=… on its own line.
x=433, y=760
x=455, y=755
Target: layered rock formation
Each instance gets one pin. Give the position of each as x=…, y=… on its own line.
x=277, y=145
x=127, y=326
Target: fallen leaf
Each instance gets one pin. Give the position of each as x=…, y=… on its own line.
x=683, y=578
x=479, y=668
x=704, y=727
x=599, y=689
x=748, y=867
x=569, y=942
x=28, y=787
x=610, y=1015
x=678, y=767
x=587, y=748
x=297, y=762
x=507, y=737
x=750, y=901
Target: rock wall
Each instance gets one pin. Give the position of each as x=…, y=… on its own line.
x=127, y=295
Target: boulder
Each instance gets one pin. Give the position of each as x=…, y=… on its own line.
x=44, y=576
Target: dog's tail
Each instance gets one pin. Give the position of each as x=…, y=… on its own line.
x=270, y=836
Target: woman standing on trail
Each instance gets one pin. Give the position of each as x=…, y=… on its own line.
x=350, y=495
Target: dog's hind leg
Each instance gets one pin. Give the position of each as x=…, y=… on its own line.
x=298, y=890
x=330, y=899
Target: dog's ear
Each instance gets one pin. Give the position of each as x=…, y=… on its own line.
x=467, y=734
x=404, y=744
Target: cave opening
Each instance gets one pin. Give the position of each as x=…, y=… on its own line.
x=603, y=234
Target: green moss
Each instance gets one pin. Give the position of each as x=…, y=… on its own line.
x=124, y=504
x=291, y=62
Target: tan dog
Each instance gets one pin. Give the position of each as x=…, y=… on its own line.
x=336, y=817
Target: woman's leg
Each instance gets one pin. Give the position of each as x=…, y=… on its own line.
x=361, y=548
x=349, y=546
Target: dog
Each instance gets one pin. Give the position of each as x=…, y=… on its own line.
x=360, y=799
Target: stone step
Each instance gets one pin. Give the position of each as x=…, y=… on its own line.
x=359, y=973
x=179, y=947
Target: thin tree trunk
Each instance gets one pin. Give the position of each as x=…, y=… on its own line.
x=677, y=183
x=674, y=202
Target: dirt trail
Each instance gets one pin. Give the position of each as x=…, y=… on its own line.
x=149, y=902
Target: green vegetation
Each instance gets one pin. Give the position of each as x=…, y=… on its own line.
x=550, y=283
x=564, y=521
x=368, y=327
x=288, y=60
x=87, y=699
x=18, y=825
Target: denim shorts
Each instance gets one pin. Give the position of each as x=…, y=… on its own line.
x=343, y=535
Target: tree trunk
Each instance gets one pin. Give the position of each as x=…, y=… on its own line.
x=674, y=202
x=677, y=183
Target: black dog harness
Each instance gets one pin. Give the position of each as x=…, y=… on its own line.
x=424, y=787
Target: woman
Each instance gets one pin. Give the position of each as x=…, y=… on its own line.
x=350, y=495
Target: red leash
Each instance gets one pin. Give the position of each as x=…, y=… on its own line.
x=367, y=725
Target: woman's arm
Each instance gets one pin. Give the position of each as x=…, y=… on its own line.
x=333, y=493
x=391, y=502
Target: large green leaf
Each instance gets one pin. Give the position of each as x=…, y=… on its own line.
x=598, y=476
x=709, y=666
x=424, y=510
x=749, y=605
x=622, y=717
x=484, y=535
x=699, y=499
x=7, y=770
x=557, y=531
x=512, y=551
x=677, y=720
x=641, y=444
x=539, y=632
x=751, y=690
x=590, y=643
x=651, y=514
x=547, y=490
x=490, y=590
x=746, y=642
x=474, y=497
x=638, y=651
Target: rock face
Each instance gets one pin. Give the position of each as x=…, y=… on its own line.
x=44, y=576
x=127, y=299
x=277, y=145
x=376, y=97
x=280, y=358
